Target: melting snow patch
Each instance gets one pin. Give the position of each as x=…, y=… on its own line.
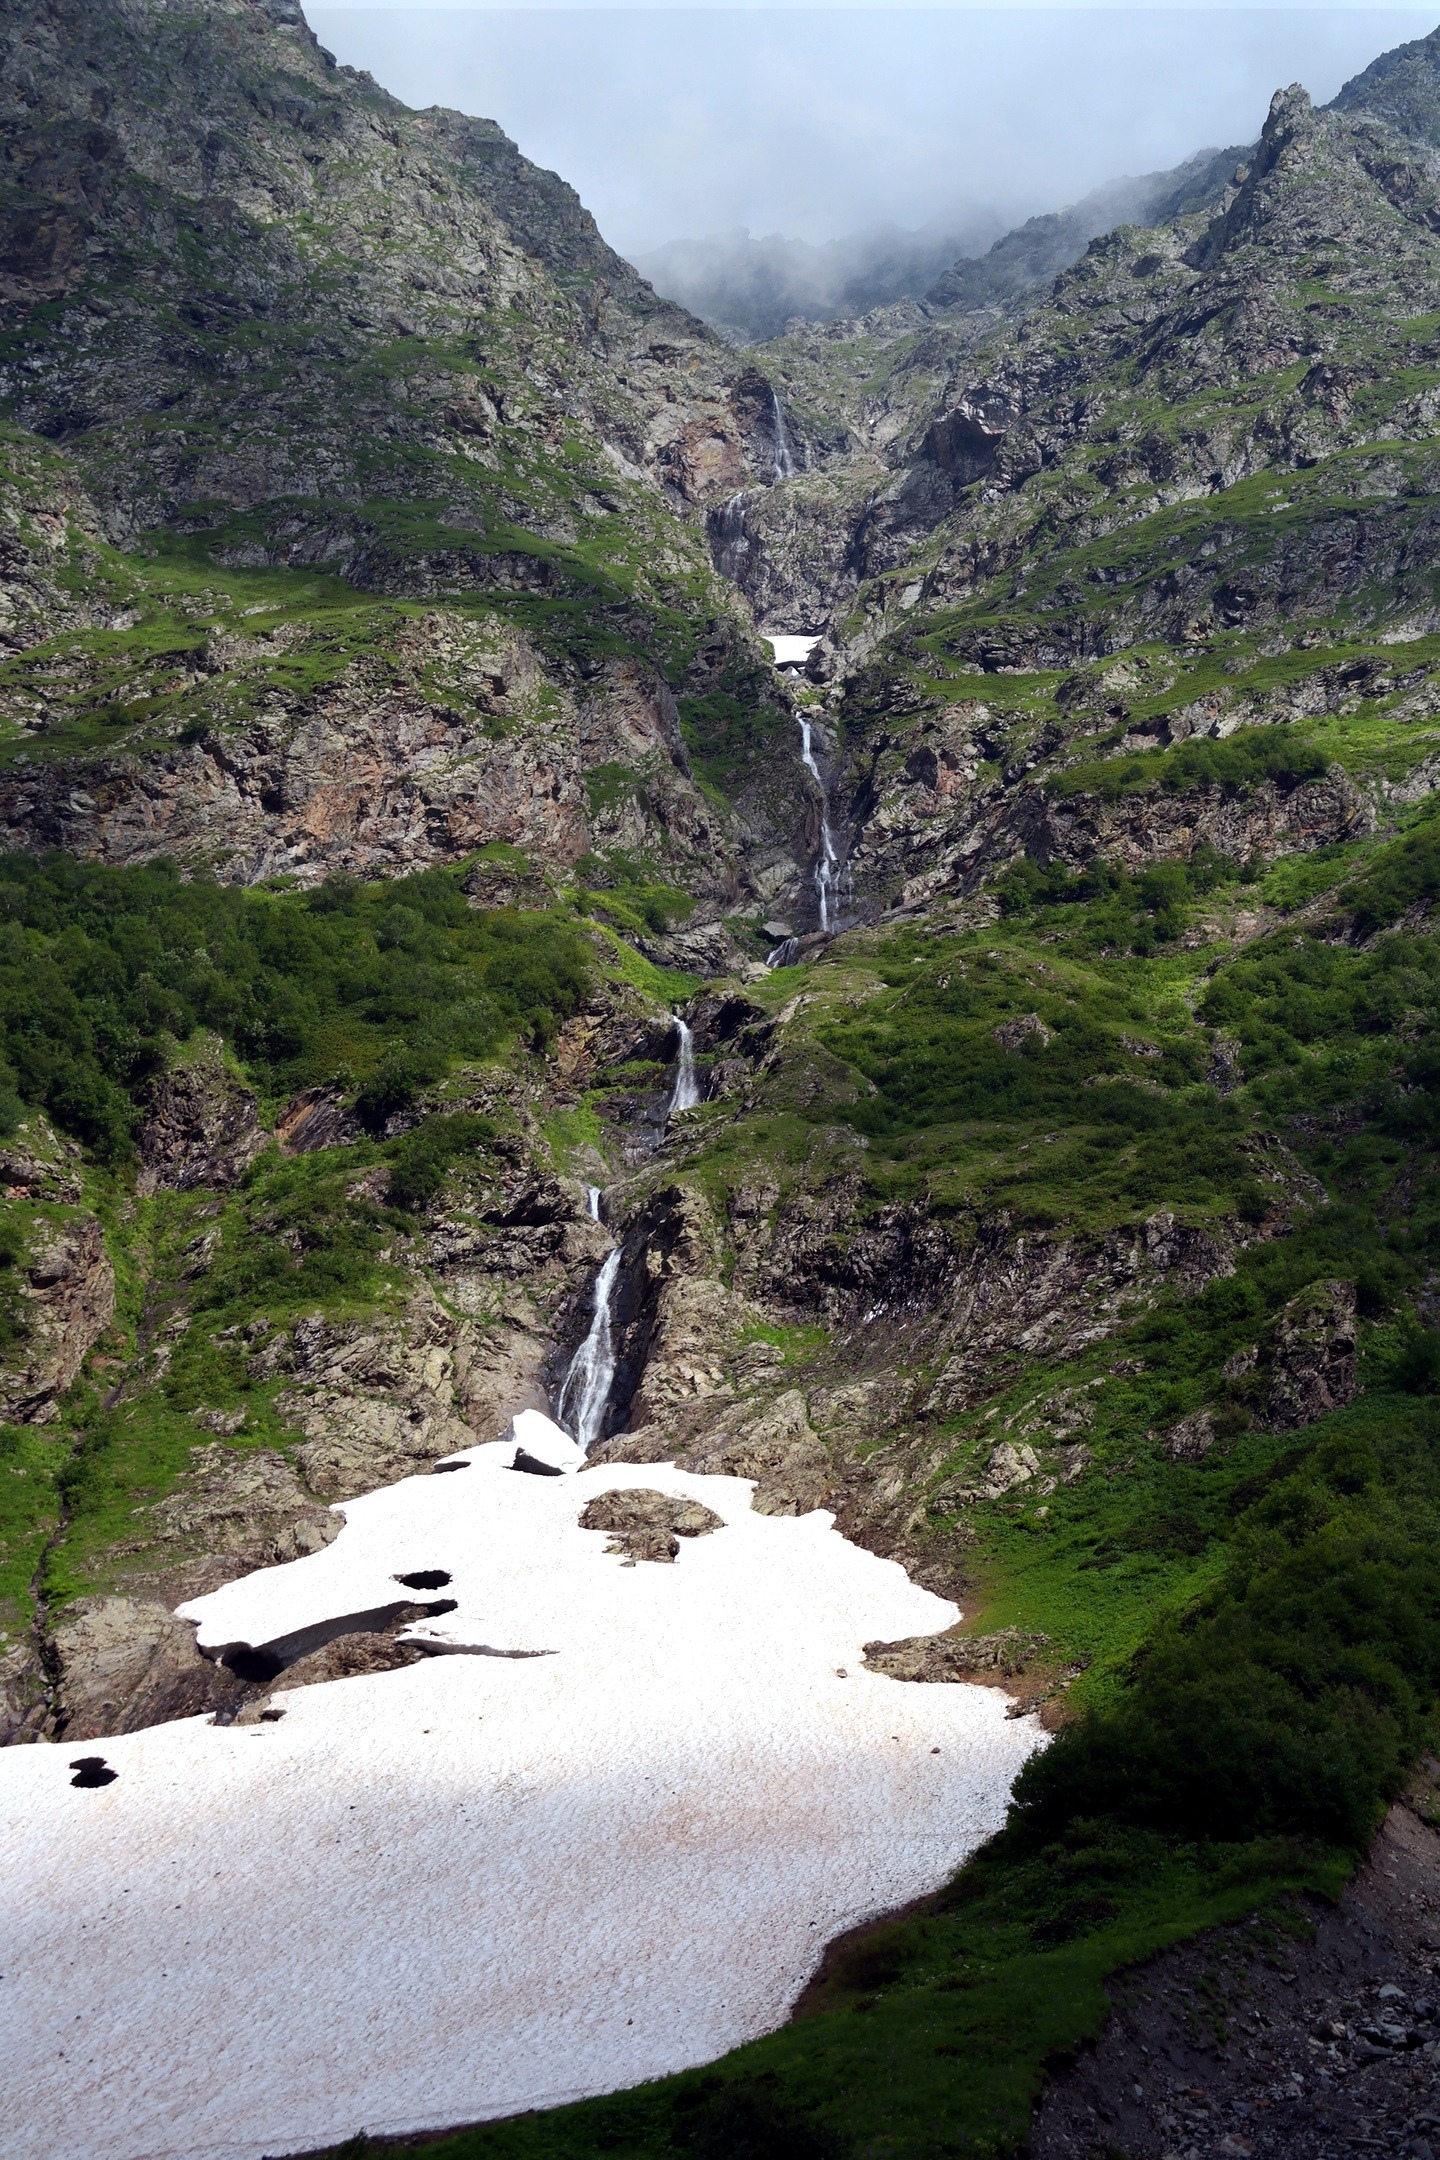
x=489, y=1881
x=792, y=651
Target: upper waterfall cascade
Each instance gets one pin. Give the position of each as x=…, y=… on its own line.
x=730, y=543
x=785, y=465
x=686, y=1092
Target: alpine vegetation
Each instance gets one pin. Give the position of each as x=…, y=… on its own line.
x=912, y=1624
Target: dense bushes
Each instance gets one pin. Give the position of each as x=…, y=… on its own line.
x=1291, y=1700
x=1110, y=909
x=1240, y=761
x=102, y=970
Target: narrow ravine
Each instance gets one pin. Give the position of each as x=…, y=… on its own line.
x=584, y=1394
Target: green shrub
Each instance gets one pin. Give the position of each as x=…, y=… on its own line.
x=102, y=971
x=1289, y=1701
x=421, y=1159
x=1240, y=761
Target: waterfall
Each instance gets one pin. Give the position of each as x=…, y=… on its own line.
x=592, y=1195
x=686, y=1091
x=784, y=456
x=782, y=954
x=585, y=1391
x=827, y=862
x=785, y=467
x=729, y=541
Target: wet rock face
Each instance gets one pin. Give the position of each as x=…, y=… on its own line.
x=67, y=1302
x=202, y=1128
x=645, y=1525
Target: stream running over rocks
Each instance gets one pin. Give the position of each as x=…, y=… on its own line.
x=584, y=1395
x=585, y=1390
x=827, y=862
x=686, y=1092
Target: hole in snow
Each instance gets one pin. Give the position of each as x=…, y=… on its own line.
x=533, y=1465
x=91, y=1770
x=425, y=1578
x=248, y=1664
x=438, y=1469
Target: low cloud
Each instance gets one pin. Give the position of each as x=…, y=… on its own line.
x=817, y=124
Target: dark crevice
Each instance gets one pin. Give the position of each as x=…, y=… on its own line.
x=533, y=1466
x=477, y=1649
x=259, y=1662
x=432, y=1578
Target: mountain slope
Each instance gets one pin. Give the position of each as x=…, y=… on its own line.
x=1066, y=1223
x=1040, y=249
x=275, y=322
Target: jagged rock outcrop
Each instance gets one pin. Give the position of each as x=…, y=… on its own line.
x=119, y=1665
x=439, y=736
x=1313, y=1358
x=953, y=1656
x=67, y=1301
x=203, y=1127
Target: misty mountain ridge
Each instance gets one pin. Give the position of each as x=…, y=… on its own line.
x=1044, y=246
x=749, y=289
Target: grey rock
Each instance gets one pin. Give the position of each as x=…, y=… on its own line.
x=202, y=1126
x=647, y=1525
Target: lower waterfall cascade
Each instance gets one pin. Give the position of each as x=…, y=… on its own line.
x=585, y=1391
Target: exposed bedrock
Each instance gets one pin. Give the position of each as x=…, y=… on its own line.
x=933, y=831
x=382, y=774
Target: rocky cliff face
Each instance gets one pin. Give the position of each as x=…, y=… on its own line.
x=271, y=320
x=207, y=219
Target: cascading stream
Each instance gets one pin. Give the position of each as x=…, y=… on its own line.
x=730, y=543
x=785, y=467
x=827, y=862
x=585, y=1392
x=686, y=1092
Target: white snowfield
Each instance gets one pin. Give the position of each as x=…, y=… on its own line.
x=792, y=651
x=482, y=1883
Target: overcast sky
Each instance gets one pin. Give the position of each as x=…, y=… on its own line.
x=817, y=121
